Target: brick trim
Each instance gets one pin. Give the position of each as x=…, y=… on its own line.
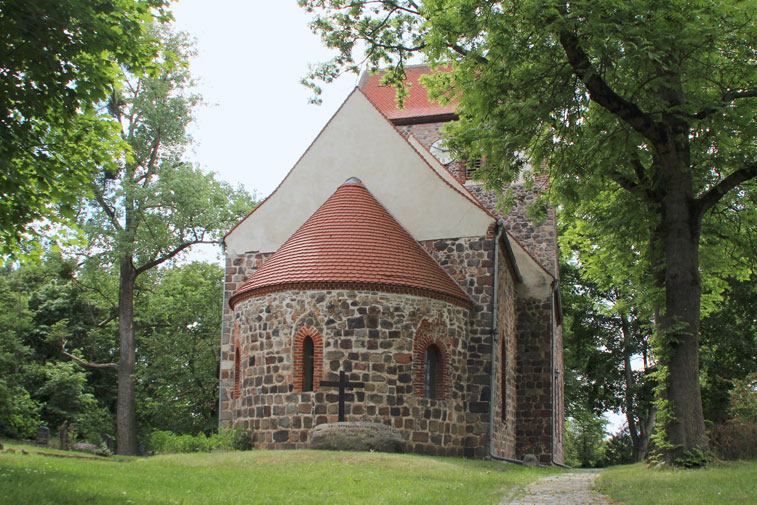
x=297, y=354
x=237, y=391
x=357, y=286
x=425, y=338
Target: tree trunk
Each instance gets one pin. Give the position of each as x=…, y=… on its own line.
x=645, y=434
x=126, y=423
x=679, y=323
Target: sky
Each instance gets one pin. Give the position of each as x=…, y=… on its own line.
x=256, y=121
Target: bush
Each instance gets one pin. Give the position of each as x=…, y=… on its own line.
x=227, y=439
x=744, y=399
x=619, y=449
x=734, y=440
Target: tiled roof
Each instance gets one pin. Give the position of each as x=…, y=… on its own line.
x=352, y=242
x=417, y=104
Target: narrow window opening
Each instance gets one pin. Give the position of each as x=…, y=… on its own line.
x=431, y=373
x=308, y=358
x=237, y=374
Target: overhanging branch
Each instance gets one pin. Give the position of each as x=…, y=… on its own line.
x=714, y=194
x=601, y=93
x=82, y=362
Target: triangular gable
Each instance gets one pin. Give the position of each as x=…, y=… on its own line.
x=443, y=172
x=360, y=142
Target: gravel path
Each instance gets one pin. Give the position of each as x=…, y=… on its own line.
x=569, y=488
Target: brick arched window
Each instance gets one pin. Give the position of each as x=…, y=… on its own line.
x=432, y=364
x=237, y=373
x=308, y=359
x=430, y=367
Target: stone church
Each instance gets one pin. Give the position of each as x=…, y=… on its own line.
x=378, y=256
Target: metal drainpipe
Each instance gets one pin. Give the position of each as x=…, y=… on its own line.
x=494, y=335
x=555, y=287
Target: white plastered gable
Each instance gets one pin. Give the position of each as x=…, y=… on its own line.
x=360, y=142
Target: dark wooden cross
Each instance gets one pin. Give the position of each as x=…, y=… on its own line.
x=342, y=384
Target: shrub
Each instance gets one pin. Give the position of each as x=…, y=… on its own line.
x=619, y=449
x=227, y=439
x=744, y=399
x=734, y=440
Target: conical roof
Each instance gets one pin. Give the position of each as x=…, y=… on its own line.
x=352, y=242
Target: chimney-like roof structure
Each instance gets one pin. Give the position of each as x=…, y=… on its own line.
x=352, y=242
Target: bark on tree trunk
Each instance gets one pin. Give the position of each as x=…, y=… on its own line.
x=679, y=323
x=126, y=423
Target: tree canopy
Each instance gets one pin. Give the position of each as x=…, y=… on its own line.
x=58, y=61
x=643, y=112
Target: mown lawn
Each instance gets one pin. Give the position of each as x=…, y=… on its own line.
x=258, y=477
x=718, y=484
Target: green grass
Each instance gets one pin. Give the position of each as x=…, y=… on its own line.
x=259, y=477
x=717, y=484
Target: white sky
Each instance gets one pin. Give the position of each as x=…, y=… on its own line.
x=251, y=56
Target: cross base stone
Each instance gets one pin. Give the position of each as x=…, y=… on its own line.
x=356, y=436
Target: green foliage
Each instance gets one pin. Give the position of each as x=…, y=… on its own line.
x=584, y=440
x=179, y=322
x=227, y=439
x=729, y=345
x=61, y=59
x=63, y=394
x=694, y=458
x=618, y=449
x=744, y=399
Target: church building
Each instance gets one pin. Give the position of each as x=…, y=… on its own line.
x=378, y=257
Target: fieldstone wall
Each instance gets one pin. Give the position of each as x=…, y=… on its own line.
x=504, y=436
x=238, y=269
x=369, y=335
x=470, y=261
x=538, y=237
x=534, y=378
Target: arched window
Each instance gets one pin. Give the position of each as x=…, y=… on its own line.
x=431, y=372
x=307, y=350
x=237, y=374
x=308, y=359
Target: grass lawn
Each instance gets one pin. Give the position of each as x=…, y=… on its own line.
x=722, y=484
x=257, y=477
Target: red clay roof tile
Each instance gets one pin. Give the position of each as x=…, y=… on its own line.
x=417, y=104
x=352, y=242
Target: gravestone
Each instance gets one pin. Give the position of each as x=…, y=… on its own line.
x=43, y=436
x=356, y=436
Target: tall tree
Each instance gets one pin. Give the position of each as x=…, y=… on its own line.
x=179, y=349
x=154, y=205
x=604, y=336
x=656, y=100
x=58, y=59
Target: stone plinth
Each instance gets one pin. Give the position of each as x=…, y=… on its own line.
x=356, y=436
